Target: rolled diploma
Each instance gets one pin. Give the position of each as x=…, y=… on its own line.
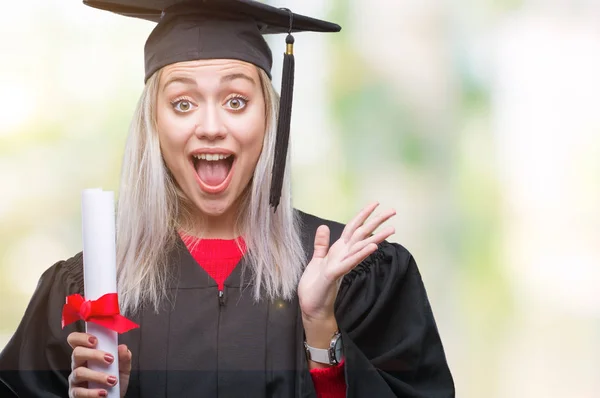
x=100, y=270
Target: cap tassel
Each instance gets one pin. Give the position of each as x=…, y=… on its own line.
x=283, y=123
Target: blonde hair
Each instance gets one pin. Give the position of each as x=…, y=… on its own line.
x=151, y=207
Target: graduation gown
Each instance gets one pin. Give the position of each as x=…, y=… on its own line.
x=202, y=345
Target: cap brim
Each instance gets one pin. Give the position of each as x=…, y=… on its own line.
x=270, y=19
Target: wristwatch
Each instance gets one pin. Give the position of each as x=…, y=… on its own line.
x=329, y=356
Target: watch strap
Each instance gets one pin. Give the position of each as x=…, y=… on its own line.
x=320, y=355
x=324, y=355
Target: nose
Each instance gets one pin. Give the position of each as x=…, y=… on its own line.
x=210, y=126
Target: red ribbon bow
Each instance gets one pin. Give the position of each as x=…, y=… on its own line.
x=103, y=312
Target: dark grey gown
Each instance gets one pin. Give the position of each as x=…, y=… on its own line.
x=199, y=345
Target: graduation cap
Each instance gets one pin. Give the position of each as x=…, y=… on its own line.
x=189, y=30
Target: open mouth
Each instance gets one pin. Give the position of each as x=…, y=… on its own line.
x=213, y=170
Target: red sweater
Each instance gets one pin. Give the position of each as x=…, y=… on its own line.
x=218, y=258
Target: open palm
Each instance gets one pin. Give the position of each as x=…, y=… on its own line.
x=319, y=284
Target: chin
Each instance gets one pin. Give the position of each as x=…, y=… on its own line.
x=215, y=205
x=213, y=208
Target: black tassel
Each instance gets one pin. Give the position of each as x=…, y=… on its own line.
x=283, y=123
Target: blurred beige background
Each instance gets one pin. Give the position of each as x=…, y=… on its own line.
x=478, y=121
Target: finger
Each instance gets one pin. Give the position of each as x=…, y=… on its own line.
x=124, y=359
x=358, y=221
x=80, y=392
x=351, y=262
x=82, y=375
x=367, y=228
x=377, y=238
x=321, y=242
x=77, y=339
x=81, y=355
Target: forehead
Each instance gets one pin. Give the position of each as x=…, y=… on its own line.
x=209, y=69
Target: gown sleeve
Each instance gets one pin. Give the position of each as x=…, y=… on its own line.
x=391, y=343
x=36, y=362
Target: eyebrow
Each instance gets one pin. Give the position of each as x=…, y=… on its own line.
x=224, y=79
x=234, y=76
x=180, y=79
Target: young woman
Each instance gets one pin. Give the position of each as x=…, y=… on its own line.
x=236, y=292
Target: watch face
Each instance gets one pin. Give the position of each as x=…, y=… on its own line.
x=338, y=349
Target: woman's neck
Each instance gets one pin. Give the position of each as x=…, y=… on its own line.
x=212, y=228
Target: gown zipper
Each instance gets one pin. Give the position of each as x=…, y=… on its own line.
x=221, y=297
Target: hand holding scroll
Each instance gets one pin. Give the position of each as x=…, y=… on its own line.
x=84, y=352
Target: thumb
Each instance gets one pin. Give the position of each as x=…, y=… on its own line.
x=124, y=359
x=321, y=242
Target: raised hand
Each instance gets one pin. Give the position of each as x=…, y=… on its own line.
x=84, y=352
x=319, y=284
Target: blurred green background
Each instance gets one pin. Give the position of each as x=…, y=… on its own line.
x=478, y=121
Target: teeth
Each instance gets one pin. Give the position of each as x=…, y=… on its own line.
x=211, y=157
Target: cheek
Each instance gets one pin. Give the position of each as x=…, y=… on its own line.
x=251, y=141
x=254, y=133
x=172, y=136
x=259, y=137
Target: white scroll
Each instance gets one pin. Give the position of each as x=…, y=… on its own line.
x=100, y=270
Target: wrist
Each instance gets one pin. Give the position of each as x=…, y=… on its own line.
x=318, y=333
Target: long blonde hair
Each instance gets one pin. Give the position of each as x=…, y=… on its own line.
x=151, y=207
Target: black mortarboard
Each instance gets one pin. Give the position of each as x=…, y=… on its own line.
x=223, y=29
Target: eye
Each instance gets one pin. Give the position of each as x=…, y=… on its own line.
x=236, y=103
x=182, y=105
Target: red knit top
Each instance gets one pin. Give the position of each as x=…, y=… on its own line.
x=219, y=257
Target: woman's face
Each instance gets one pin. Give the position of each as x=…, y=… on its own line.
x=211, y=124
